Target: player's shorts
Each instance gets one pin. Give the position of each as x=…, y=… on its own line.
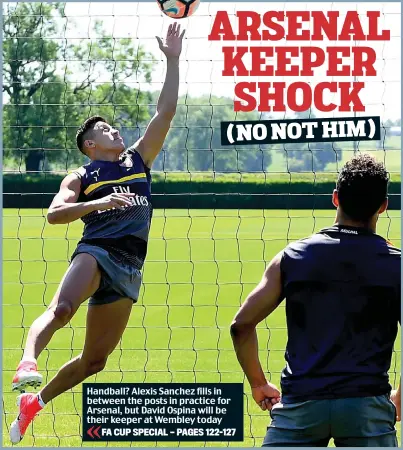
x=118, y=278
x=351, y=422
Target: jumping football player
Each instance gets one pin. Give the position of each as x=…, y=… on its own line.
x=342, y=291
x=112, y=196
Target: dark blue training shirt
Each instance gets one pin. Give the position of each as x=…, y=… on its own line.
x=122, y=232
x=342, y=290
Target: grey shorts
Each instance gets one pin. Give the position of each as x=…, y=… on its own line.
x=351, y=422
x=118, y=279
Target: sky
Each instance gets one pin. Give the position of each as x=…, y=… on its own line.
x=202, y=60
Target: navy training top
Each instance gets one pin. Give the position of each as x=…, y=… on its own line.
x=122, y=232
x=342, y=290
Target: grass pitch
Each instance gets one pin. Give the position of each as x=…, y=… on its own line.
x=200, y=267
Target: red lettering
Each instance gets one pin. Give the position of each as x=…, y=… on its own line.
x=335, y=60
x=361, y=61
x=294, y=25
x=258, y=59
x=319, y=94
x=360, y=65
x=232, y=61
x=300, y=96
x=277, y=96
x=347, y=97
x=373, y=34
x=240, y=92
x=352, y=28
x=245, y=27
x=308, y=62
x=221, y=26
x=306, y=96
x=283, y=60
x=321, y=25
x=326, y=25
x=268, y=21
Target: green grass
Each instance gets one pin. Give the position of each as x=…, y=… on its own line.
x=201, y=265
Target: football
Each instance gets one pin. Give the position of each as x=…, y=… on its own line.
x=178, y=9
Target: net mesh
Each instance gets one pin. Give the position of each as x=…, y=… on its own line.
x=209, y=245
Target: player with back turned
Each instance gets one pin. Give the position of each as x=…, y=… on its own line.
x=112, y=196
x=342, y=290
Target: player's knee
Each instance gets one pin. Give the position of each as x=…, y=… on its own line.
x=63, y=312
x=94, y=366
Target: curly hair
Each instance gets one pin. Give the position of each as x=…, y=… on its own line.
x=82, y=132
x=362, y=187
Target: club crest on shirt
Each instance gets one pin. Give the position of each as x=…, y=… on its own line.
x=127, y=162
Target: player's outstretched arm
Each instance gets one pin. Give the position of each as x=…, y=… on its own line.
x=261, y=302
x=151, y=143
x=64, y=208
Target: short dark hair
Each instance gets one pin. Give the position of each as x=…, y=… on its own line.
x=88, y=125
x=362, y=187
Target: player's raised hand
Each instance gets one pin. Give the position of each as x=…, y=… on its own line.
x=266, y=396
x=113, y=201
x=173, y=42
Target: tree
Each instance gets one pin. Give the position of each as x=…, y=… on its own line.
x=311, y=157
x=194, y=141
x=44, y=106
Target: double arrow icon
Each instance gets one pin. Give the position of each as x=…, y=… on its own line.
x=93, y=433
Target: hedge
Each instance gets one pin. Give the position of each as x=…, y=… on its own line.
x=204, y=190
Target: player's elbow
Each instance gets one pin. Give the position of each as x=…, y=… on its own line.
x=239, y=328
x=55, y=217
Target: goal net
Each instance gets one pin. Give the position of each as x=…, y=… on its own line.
x=221, y=213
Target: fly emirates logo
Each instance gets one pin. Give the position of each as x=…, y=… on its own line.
x=136, y=200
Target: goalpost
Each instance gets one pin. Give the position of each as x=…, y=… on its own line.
x=221, y=213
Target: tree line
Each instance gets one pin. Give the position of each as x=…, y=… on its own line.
x=45, y=104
